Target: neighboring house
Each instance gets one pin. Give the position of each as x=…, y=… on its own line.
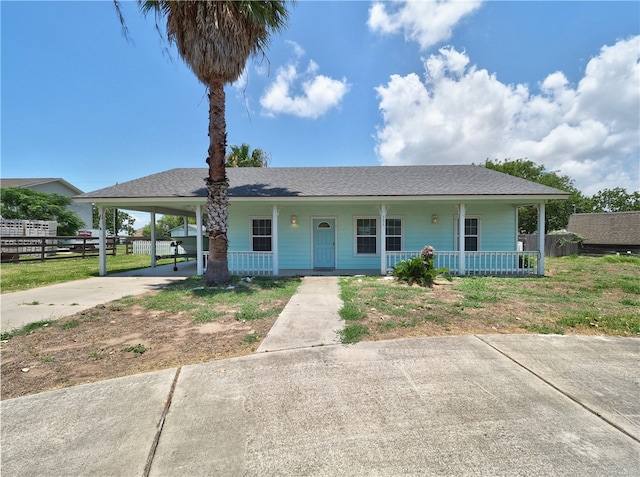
x=607, y=232
x=348, y=220
x=55, y=186
x=180, y=232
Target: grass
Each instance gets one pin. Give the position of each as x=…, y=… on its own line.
x=26, y=275
x=253, y=300
x=26, y=329
x=67, y=325
x=137, y=349
x=206, y=315
x=353, y=333
x=593, y=295
x=251, y=338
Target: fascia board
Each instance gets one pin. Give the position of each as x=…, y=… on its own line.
x=382, y=198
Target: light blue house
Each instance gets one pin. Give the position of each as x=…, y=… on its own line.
x=352, y=220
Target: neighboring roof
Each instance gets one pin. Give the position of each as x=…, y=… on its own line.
x=32, y=182
x=607, y=228
x=342, y=182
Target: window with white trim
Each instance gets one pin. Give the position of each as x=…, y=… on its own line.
x=471, y=234
x=366, y=235
x=393, y=234
x=261, y=235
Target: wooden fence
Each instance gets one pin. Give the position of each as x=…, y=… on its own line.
x=14, y=249
x=555, y=245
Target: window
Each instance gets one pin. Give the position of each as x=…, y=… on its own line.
x=261, y=235
x=366, y=236
x=393, y=235
x=471, y=234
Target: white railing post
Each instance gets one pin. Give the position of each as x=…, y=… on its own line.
x=199, y=247
x=274, y=238
x=383, y=239
x=461, y=231
x=102, y=234
x=153, y=239
x=541, y=237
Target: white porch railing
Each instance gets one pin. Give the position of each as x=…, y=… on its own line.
x=506, y=263
x=247, y=263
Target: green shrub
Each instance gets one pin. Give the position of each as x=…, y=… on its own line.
x=413, y=270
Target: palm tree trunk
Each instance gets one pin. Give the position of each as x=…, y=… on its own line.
x=217, y=188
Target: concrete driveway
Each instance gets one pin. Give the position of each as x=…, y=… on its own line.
x=63, y=299
x=513, y=405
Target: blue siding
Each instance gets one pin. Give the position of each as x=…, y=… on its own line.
x=497, y=228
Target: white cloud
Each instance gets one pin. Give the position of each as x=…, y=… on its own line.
x=460, y=114
x=305, y=94
x=297, y=49
x=425, y=22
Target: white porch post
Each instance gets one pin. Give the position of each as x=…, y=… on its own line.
x=274, y=239
x=153, y=239
x=541, y=221
x=383, y=239
x=199, y=247
x=461, y=220
x=517, y=229
x=102, y=234
x=185, y=225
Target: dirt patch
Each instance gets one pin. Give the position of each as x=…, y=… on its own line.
x=107, y=342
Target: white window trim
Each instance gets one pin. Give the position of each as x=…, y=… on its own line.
x=260, y=217
x=457, y=235
x=402, y=234
x=355, y=235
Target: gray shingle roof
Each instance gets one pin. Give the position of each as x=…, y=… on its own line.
x=370, y=181
x=608, y=228
x=33, y=182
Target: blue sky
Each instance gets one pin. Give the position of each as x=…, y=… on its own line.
x=347, y=83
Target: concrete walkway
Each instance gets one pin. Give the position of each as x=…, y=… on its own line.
x=512, y=405
x=309, y=319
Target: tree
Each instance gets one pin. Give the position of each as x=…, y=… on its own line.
x=615, y=200
x=240, y=157
x=557, y=211
x=124, y=221
x=215, y=39
x=27, y=204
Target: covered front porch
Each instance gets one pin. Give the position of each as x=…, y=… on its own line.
x=459, y=262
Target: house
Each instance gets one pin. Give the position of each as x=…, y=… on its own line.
x=179, y=231
x=607, y=232
x=55, y=186
x=349, y=220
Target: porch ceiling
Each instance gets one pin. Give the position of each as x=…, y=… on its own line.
x=175, y=207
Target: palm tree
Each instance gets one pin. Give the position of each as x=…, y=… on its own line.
x=215, y=38
x=240, y=157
